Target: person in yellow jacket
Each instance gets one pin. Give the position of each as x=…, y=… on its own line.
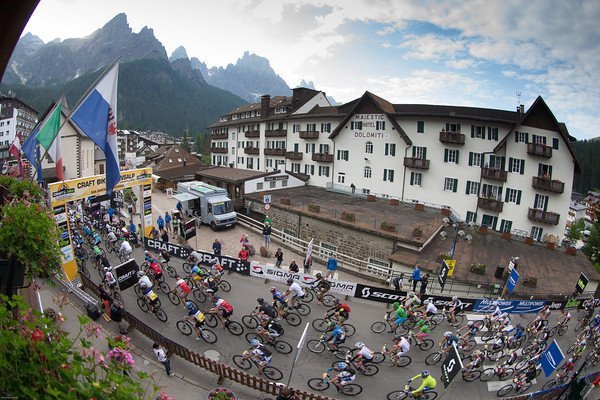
x=428, y=383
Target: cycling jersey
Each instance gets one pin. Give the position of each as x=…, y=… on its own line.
x=274, y=329
x=105, y=262
x=145, y=282
x=404, y=345
x=366, y=353
x=97, y=251
x=110, y=278
x=456, y=305
x=450, y=340
x=425, y=329
x=212, y=285
x=224, y=305
x=324, y=284
x=278, y=296
x=428, y=383
x=196, y=270
x=112, y=237
x=268, y=310
x=338, y=335
x=197, y=256
x=87, y=230
x=296, y=289
x=96, y=237
x=346, y=376
x=262, y=353
x=125, y=247
x=183, y=286
x=401, y=315
x=431, y=309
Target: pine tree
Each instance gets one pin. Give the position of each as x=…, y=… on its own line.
x=185, y=140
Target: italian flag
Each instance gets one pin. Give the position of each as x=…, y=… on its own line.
x=50, y=140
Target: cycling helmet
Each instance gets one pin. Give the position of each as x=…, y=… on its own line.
x=425, y=374
x=447, y=334
x=273, y=288
x=290, y=281
x=476, y=353
x=146, y=252
x=495, y=303
x=260, y=300
x=504, y=315
x=189, y=305
x=359, y=345
x=411, y=294
x=218, y=301
x=470, y=323
x=570, y=360
x=318, y=275
x=342, y=365
x=254, y=343
x=499, y=334
x=454, y=298
x=426, y=302
x=395, y=305
x=106, y=269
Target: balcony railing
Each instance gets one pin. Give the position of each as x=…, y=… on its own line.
x=419, y=163
x=276, y=133
x=218, y=149
x=452, y=137
x=539, y=149
x=309, y=134
x=490, y=204
x=322, y=157
x=293, y=155
x=251, y=150
x=495, y=174
x=274, y=152
x=547, y=217
x=548, y=184
x=252, y=134
x=215, y=136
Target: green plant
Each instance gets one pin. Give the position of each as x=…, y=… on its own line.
x=530, y=281
x=445, y=256
x=129, y=196
x=19, y=187
x=314, y=208
x=478, y=268
x=388, y=226
x=221, y=394
x=350, y=217
x=576, y=230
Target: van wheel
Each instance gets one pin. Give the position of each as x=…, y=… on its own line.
x=213, y=226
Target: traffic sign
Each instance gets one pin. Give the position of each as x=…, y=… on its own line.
x=451, y=366
x=267, y=199
x=267, y=206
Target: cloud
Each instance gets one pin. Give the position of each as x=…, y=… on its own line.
x=460, y=64
x=431, y=47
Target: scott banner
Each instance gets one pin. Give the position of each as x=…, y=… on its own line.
x=280, y=275
x=228, y=263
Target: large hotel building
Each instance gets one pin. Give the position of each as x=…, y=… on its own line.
x=508, y=170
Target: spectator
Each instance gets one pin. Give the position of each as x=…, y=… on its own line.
x=168, y=220
x=267, y=220
x=244, y=240
x=154, y=234
x=111, y=212
x=216, y=247
x=116, y=314
x=164, y=236
x=132, y=228
x=424, y=283
x=279, y=257
x=244, y=254
x=398, y=281
x=176, y=224
x=332, y=265
x=416, y=276
x=286, y=394
x=353, y=187
x=307, y=265
x=104, y=298
x=294, y=267
x=267, y=234
x=160, y=222
x=179, y=208
x=162, y=357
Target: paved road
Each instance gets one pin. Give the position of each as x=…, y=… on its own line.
x=243, y=298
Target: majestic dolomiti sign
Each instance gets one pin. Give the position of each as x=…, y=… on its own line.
x=369, y=126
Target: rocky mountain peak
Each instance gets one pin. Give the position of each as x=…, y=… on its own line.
x=178, y=53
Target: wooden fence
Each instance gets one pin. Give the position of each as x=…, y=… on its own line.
x=222, y=370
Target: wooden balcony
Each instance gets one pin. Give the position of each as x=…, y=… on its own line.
x=276, y=133
x=293, y=155
x=216, y=136
x=252, y=134
x=490, y=204
x=547, y=217
x=548, y=184
x=418, y=163
x=251, y=150
x=452, y=138
x=321, y=157
x=309, y=134
x=275, y=152
x=494, y=174
x=218, y=150
x=539, y=149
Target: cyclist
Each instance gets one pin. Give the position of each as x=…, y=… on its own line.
x=155, y=270
x=144, y=282
x=125, y=248
x=336, y=337
x=346, y=375
x=210, y=286
x=216, y=270
x=400, y=348
x=564, y=317
x=296, y=290
x=261, y=354
x=428, y=383
x=339, y=311
x=411, y=300
x=270, y=329
x=181, y=288
x=279, y=300
x=498, y=341
x=112, y=239
x=87, y=230
x=196, y=316
x=429, y=308
x=527, y=375
x=566, y=369
x=447, y=341
x=151, y=297
x=545, y=312
x=363, y=356
x=322, y=285
x=97, y=254
x=226, y=311
x=470, y=331
x=495, y=315
x=197, y=274
x=400, y=316
x=265, y=309
x=476, y=361
x=96, y=239
x=110, y=280
x=455, y=307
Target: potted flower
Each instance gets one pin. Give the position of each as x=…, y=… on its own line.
x=530, y=281
x=529, y=241
x=350, y=217
x=121, y=342
x=445, y=256
x=417, y=231
x=314, y=208
x=550, y=245
x=506, y=235
x=388, y=226
x=371, y=197
x=571, y=250
x=445, y=212
x=394, y=202
x=419, y=207
x=483, y=229
x=221, y=394
x=478, y=268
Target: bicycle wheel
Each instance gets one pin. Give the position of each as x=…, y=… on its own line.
x=470, y=376
x=198, y=295
x=118, y=297
x=429, y=396
x=164, y=287
x=250, y=336
x=426, y=344
x=525, y=387
x=100, y=272
x=378, y=327
x=433, y=359
x=328, y=300
x=478, y=324
x=351, y=389
x=487, y=375
x=378, y=358
x=171, y=271
x=350, y=329
x=174, y=298
x=397, y=395
x=562, y=329
x=302, y=309
x=403, y=361
x=187, y=267
x=504, y=390
x=283, y=347
x=553, y=331
x=438, y=318
x=370, y=370
x=315, y=346
x=84, y=271
x=550, y=384
x=308, y=296
x=235, y=328
x=208, y=336
x=138, y=291
x=341, y=352
x=521, y=364
x=507, y=375
x=487, y=336
x=109, y=248
x=470, y=345
x=494, y=355
x=224, y=285
x=320, y=325
x=273, y=373
x=242, y=362
x=143, y=305
x=318, y=384
x=293, y=319
x=160, y=314
x=250, y=321
x=184, y=327
x=211, y=320
x=401, y=330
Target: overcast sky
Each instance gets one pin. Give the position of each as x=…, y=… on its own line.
x=476, y=53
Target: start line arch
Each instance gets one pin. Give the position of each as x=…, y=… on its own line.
x=62, y=193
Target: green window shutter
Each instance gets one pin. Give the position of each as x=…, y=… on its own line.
x=482, y=132
x=414, y=151
x=522, y=167
x=472, y=131
x=519, y=196
x=535, y=201
x=457, y=156
x=387, y=146
x=494, y=222
x=540, y=170
x=468, y=187
x=516, y=136
x=500, y=193
x=526, y=137
x=412, y=178
x=455, y=185
x=546, y=204
x=510, y=164
x=506, y=196
x=502, y=160
x=544, y=139
x=445, y=155
x=555, y=143
x=475, y=217
x=338, y=154
x=502, y=225
x=393, y=150
x=424, y=153
x=550, y=170
x=489, y=132
x=470, y=158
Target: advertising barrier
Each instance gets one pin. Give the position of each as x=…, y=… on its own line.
x=516, y=306
x=551, y=358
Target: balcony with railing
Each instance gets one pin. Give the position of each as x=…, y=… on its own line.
x=275, y=152
x=490, y=204
x=418, y=163
x=276, y=133
x=322, y=157
x=252, y=134
x=216, y=136
x=309, y=134
x=539, y=149
x=539, y=215
x=494, y=174
x=251, y=150
x=452, y=137
x=293, y=155
x=218, y=149
x=547, y=184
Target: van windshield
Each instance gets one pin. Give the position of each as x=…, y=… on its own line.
x=223, y=207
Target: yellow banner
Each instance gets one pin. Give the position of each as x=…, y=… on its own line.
x=451, y=264
x=63, y=192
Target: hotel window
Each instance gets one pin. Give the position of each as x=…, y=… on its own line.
x=311, y=127
x=342, y=155
x=478, y=132
x=388, y=175
x=356, y=125
x=367, y=172
x=309, y=169
x=492, y=133
x=451, y=156
x=555, y=143
x=390, y=149
x=323, y=171
x=369, y=148
x=545, y=171
x=540, y=202
x=296, y=128
x=380, y=125
x=310, y=148
x=420, y=126
x=450, y=184
x=259, y=186
x=536, y=233
x=416, y=178
x=419, y=152
x=471, y=217
x=452, y=127
x=341, y=177
x=521, y=137
x=324, y=148
x=513, y=196
x=516, y=165
x=326, y=127
x=539, y=139
x=472, y=188
x=474, y=159
x=296, y=167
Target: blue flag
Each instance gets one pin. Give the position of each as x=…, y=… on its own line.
x=30, y=149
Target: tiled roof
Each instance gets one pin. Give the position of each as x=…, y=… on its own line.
x=232, y=174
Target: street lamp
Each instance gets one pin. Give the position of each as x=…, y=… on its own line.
x=459, y=232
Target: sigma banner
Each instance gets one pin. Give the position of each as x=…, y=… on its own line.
x=516, y=306
x=228, y=263
x=276, y=274
x=126, y=274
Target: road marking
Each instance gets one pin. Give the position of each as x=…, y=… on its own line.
x=494, y=386
x=475, y=317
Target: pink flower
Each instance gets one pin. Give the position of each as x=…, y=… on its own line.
x=92, y=329
x=37, y=334
x=164, y=396
x=118, y=355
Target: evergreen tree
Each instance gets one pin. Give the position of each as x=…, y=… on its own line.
x=185, y=140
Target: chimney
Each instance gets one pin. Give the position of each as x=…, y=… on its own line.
x=522, y=108
x=184, y=162
x=265, y=102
